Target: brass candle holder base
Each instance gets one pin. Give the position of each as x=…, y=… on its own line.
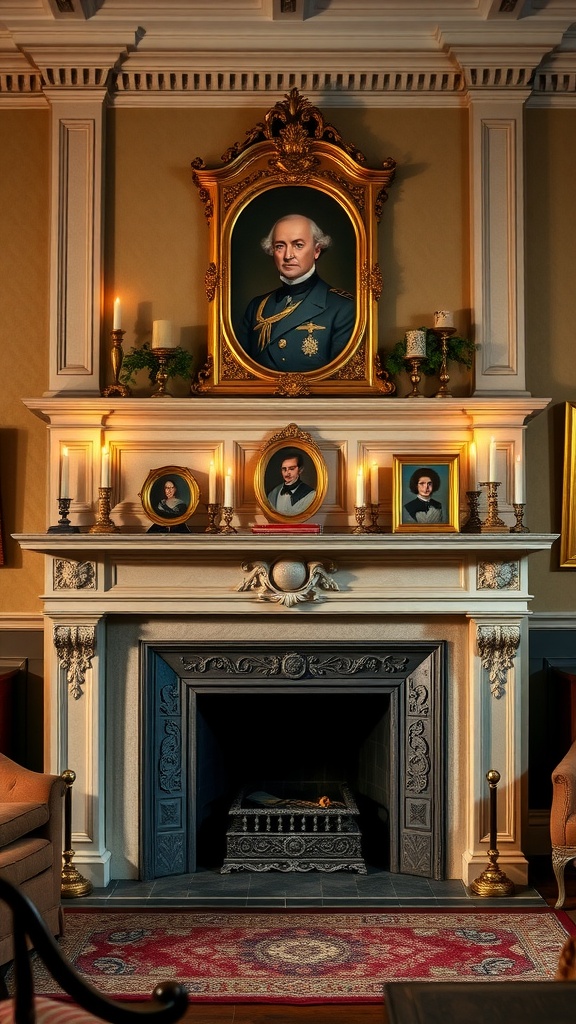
x=443, y=333
x=117, y=390
x=360, y=513
x=519, y=514
x=213, y=509
x=163, y=355
x=415, y=376
x=493, y=523
x=64, y=525
x=473, y=524
x=103, y=523
x=374, y=511
x=492, y=882
x=227, y=513
x=72, y=882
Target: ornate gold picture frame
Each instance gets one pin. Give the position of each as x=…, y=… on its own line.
x=291, y=478
x=568, y=535
x=169, y=496
x=293, y=162
x=425, y=494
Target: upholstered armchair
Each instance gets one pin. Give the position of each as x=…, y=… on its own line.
x=30, y=844
x=563, y=818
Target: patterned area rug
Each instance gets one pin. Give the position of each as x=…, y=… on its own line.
x=307, y=957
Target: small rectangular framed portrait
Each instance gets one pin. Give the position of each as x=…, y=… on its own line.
x=291, y=479
x=425, y=494
x=169, y=497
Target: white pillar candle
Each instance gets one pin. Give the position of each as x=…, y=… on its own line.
x=228, y=492
x=162, y=335
x=443, y=318
x=472, y=467
x=117, y=323
x=105, y=468
x=212, y=483
x=492, y=461
x=64, y=478
x=518, y=481
x=415, y=344
x=374, y=483
x=360, y=488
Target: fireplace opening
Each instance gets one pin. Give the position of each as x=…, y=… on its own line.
x=291, y=747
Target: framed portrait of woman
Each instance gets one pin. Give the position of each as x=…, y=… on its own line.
x=169, y=496
x=291, y=478
x=425, y=494
x=293, y=279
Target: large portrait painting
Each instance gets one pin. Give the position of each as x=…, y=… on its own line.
x=291, y=478
x=293, y=279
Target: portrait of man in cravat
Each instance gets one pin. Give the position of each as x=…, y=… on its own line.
x=292, y=495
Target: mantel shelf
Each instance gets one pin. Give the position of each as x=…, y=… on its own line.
x=101, y=545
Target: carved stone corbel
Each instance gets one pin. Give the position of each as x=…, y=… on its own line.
x=286, y=581
x=75, y=646
x=497, y=646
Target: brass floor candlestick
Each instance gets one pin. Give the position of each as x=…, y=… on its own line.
x=163, y=355
x=493, y=523
x=64, y=525
x=73, y=883
x=415, y=376
x=473, y=524
x=360, y=513
x=443, y=333
x=213, y=509
x=117, y=390
x=492, y=881
x=227, y=513
x=103, y=523
x=519, y=514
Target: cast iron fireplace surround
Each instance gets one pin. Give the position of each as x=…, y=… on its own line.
x=217, y=716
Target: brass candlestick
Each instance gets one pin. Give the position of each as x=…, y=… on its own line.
x=163, y=355
x=227, y=513
x=73, y=883
x=492, y=881
x=415, y=376
x=213, y=509
x=493, y=523
x=360, y=513
x=519, y=513
x=374, y=510
x=103, y=523
x=117, y=390
x=473, y=524
x=64, y=525
x=443, y=333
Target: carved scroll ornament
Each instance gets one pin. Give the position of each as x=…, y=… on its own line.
x=497, y=646
x=75, y=646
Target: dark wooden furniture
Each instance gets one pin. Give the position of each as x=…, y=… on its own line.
x=485, y=1002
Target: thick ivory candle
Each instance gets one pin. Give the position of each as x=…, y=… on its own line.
x=518, y=481
x=64, y=478
x=443, y=318
x=360, y=488
x=162, y=335
x=105, y=468
x=228, y=491
x=415, y=344
x=472, y=467
x=374, y=483
x=212, y=483
x=492, y=461
x=117, y=323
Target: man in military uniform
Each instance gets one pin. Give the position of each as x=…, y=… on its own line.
x=304, y=324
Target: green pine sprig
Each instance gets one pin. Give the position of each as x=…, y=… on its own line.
x=179, y=365
x=459, y=350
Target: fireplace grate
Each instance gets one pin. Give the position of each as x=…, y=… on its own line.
x=285, y=827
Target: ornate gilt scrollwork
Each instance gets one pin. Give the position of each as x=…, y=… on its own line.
x=497, y=646
x=75, y=647
x=72, y=575
x=498, y=576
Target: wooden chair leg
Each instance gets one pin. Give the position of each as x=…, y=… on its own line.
x=561, y=856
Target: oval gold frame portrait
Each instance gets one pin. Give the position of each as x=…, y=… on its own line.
x=267, y=475
x=152, y=490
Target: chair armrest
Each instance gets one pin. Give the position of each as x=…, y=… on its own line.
x=21, y=785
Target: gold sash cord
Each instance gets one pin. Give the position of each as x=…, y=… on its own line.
x=264, y=323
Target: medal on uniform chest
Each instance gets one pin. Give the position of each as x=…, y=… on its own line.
x=310, y=343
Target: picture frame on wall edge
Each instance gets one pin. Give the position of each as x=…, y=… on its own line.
x=425, y=493
x=568, y=533
x=169, y=498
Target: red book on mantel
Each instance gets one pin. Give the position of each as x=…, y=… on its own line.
x=282, y=528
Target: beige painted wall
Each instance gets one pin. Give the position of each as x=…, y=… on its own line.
x=156, y=252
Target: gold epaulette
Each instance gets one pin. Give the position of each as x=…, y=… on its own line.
x=340, y=291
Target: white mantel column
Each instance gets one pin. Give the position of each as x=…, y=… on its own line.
x=497, y=738
x=76, y=90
